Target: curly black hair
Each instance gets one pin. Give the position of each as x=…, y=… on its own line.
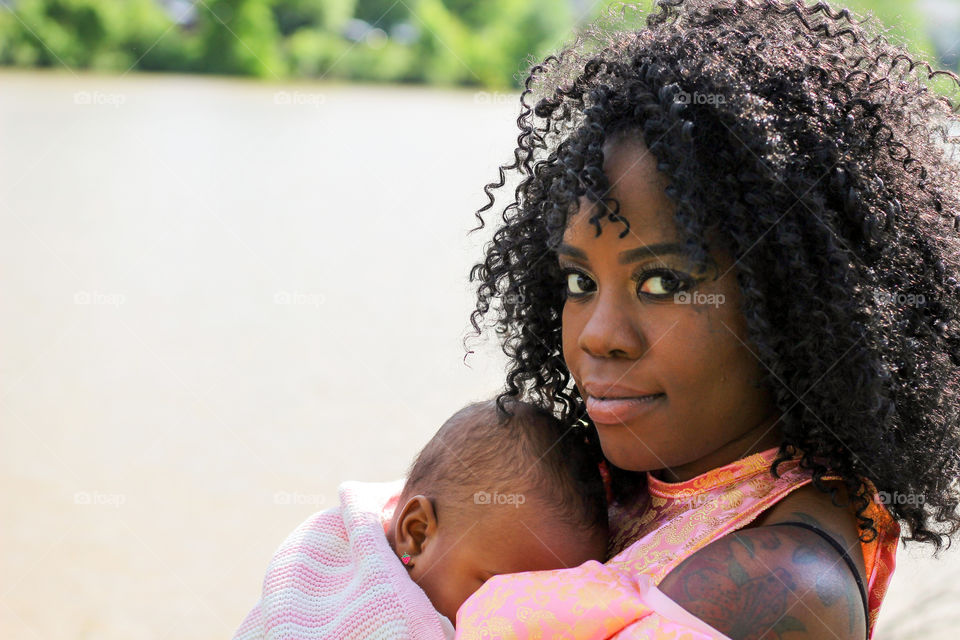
x=818, y=150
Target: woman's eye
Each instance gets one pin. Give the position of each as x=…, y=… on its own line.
x=578, y=284
x=664, y=283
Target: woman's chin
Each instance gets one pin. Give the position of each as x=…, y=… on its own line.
x=637, y=461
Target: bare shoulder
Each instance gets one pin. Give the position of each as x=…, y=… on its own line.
x=770, y=582
x=814, y=507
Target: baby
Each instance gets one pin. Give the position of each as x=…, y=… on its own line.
x=492, y=493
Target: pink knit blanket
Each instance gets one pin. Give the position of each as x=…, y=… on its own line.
x=336, y=577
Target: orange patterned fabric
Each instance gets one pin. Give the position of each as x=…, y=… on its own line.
x=612, y=600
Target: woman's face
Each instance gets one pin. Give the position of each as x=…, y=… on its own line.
x=655, y=343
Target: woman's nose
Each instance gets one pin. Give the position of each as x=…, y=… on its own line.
x=612, y=330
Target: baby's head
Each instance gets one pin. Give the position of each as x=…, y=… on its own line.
x=493, y=493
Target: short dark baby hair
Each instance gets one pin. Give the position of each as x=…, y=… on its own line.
x=518, y=449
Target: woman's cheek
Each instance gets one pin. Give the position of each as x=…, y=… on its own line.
x=571, y=326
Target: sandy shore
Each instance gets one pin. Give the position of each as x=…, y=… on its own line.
x=220, y=299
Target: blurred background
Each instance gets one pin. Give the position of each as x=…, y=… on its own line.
x=234, y=258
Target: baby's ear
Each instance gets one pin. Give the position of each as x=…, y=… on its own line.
x=415, y=524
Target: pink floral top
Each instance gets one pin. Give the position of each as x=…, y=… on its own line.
x=619, y=599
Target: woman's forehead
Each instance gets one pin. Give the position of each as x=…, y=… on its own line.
x=638, y=187
x=632, y=170
x=642, y=223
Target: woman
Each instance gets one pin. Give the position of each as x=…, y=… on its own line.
x=734, y=250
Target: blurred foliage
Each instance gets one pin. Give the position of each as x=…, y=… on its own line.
x=900, y=20
x=383, y=13
x=98, y=34
x=328, y=15
x=239, y=37
x=466, y=42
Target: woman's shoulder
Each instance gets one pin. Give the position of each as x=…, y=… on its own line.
x=767, y=580
x=814, y=508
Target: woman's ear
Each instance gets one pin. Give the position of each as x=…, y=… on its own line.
x=414, y=526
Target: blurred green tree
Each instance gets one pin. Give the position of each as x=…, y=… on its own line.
x=464, y=42
x=329, y=15
x=239, y=37
x=490, y=42
x=383, y=13
x=99, y=34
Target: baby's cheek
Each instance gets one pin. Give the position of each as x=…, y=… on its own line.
x=448, y=591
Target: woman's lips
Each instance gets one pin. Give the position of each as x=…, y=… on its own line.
x=620, y=410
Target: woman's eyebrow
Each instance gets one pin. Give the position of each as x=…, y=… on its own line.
x=630, y=255
x=573, y=252
x=650, y=250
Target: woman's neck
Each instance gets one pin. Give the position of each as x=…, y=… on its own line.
x=760, y=438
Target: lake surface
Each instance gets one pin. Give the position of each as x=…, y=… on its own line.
x=220, y=298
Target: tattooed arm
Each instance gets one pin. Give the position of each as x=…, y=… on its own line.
x=776, y=583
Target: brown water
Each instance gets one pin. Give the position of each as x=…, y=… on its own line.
x=220, y=299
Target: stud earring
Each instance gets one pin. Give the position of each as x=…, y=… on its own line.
x=405, y=558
